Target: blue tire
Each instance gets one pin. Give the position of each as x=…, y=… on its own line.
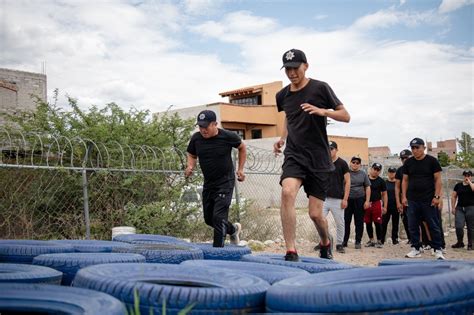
x=399, y=289
x=164, y=253
x=212, y=291
x=228, y=252
x=130, y=238
x=269, y=273
x=310, y=264
x=23, y=251
x=92, y=246
x=69, y=264
x=23, y=298
x=408, y=261
x=29, y=274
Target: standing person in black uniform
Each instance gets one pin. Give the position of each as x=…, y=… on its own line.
x=404, y=155
x=377, y=208
x=463, y=211
x=421, y=192
x=213, y=146
x=359, y=199
x=392, y=211
x=307, y=104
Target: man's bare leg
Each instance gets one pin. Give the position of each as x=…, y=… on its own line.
x=316, y=214
x=289, y=190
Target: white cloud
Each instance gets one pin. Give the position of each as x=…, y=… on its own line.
x=201, y=7
x=136, y=55
x=447, y=6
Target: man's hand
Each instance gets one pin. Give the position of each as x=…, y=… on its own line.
x=343, y=204
x=277, y=146
x=399, y=207
x=366, y=205
x=405, y=201
x=188, y=171
x=435, y=202
x=313, y=110
x=384, y=210
x=240, y=176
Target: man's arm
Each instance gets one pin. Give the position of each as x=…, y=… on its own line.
x=367, y=197
x=277, y=145
x=398, y=191
x=339, y=114
x=454, y=197
x=404, y=189
x=191, y=164
x=242, y=158
x=385, y=202
x=347, y=188
x=438, y=189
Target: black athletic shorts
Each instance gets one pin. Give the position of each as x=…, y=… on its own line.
x=315, y=184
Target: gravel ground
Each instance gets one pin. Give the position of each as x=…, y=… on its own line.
x=370, y=256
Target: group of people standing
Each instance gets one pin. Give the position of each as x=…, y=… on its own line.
x=311, y=161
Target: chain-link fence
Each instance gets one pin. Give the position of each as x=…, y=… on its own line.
x=56, y=187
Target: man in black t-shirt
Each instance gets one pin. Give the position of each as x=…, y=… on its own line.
x=392, y=211
x=307, y=104
x=337, y=195
x=213, y=146
x=462, y=201
x=377, y=208
x=421, y=192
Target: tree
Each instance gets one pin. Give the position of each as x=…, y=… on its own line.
x=465, y=158
x=443, y=158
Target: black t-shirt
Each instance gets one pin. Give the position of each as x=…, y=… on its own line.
x=465, y=195
x=399, y=173
x=392, y=203
x=421, y=184
x=377, y=186
x=215, y=157
x=336, y=179
x=307, y=141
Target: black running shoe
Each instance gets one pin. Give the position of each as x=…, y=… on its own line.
x=326, y=251
x=292, y=256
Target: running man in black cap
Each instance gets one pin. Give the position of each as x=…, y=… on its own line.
x=307, y=104
x=213, y=147
x=421, y=192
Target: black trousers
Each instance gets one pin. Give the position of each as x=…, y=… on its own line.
x=216, y=202
x=355, y=207
x=395, y=216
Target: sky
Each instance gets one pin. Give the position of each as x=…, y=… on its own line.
x=403, y=69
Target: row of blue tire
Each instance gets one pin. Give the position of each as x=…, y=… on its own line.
x=106, y=276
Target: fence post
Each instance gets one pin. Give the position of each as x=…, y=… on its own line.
x=86, y=204
x=236, y=186
x=446, y=187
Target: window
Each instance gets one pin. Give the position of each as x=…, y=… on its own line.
x=251, y=100
x=256, y=133
x=239, y=132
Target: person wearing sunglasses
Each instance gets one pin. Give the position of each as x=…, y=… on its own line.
x=359, y=199
x=421, y=193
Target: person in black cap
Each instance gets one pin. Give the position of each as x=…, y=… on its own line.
x=307, y=104
x=359, y=199
x=377, y=208
x=404, y=155
x=421, y=192
x=213, y=147
x=337, y=195
x=392, y=211
x=463, y=210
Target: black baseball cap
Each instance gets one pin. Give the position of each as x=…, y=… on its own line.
x=405, y=153
x=417, y=141
x=205, y=118
x=356, y=158
x=293, y=58
x=332, y=144
x=377, y=166
x=392, y=169
x=467, y=173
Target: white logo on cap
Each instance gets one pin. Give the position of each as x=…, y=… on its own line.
x=290, y=55
x=202, y=116
x=414, y=141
